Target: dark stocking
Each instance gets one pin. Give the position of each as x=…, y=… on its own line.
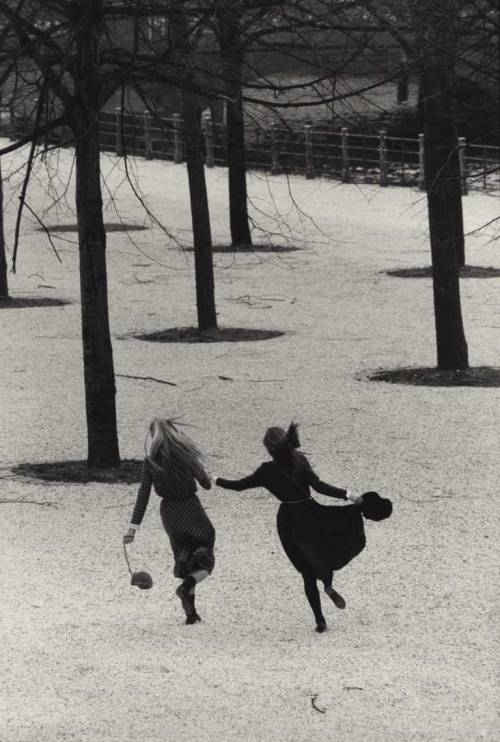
x=312, y=595
x=334, y=596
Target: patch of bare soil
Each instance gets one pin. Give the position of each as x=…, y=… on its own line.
x=128, y=472
x=35, y=301
x=216, y=335
x=468, y=271
x=108, y=226
x=264, y=247
x=480, y=376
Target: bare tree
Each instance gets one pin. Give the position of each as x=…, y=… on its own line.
x=428, y=36
x=442, y=176
x=184, y=57
x=232, y=46
x=62, y=42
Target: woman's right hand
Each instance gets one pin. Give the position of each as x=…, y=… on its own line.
x=129, y=536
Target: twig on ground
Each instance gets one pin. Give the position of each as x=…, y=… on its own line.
x=352, y=687
x=147, y=378
x=45, y=503
x=263, y=381
x=316, y=708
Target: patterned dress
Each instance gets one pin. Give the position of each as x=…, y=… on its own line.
x=191, y=534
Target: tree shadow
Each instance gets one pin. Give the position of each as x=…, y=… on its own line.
x=467, y=271
x=128, y=472
x=10, y=302
x=479, y=376
x=108, y=226
x=214, y=335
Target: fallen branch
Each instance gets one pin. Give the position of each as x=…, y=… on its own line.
x=316, y=708
x=263, y=381
x=45, y=504
x=147, y=378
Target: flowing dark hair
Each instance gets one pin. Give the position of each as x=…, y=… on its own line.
x=282, y=445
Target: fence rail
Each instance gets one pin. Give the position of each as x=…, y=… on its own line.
x=308, y=150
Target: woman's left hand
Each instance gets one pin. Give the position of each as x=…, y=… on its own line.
x=353, y=497
x=129, y=536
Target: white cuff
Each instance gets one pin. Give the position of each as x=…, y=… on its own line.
x=353, y=497
x=134, y=527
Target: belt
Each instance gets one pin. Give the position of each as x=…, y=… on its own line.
x=293, y=502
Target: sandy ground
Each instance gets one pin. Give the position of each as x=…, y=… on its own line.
x=87, y=657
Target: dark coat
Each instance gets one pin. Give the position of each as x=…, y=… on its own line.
x=317, y=539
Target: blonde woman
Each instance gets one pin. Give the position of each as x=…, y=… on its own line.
x=173, y=464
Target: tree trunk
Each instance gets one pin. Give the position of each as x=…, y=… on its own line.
x=236, y=160
x=442, y=177
x=98, y=370
x=232, y=52
x=4, y=286
x=200, y=215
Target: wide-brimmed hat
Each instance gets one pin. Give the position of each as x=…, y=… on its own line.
x=375, y=507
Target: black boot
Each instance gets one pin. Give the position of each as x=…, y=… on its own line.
x=187, y=600
x=337, y=599
x=321, y=626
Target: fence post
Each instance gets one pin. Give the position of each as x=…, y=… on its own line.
x=382, y=152
x=309, y=151
x=208, y=135
x=118, y=132
x=463, y=166
x=421, y=164
x=344, y=145
x=177, y=126
x=148, y=144
x=275, y=160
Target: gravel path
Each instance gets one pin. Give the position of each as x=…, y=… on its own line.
x=414, y=656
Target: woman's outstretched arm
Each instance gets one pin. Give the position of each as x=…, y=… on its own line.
x=326, y=489
x=246, y=483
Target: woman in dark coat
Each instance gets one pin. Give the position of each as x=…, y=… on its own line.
x=317, y=539
x=173, y=465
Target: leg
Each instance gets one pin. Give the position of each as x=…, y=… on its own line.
x=334, y=596
x=186, y=591
x=312, y=595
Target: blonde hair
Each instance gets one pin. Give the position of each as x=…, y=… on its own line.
x=165, y=443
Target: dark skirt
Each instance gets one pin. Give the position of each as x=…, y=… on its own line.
x=320, y=539
x=191, y=534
